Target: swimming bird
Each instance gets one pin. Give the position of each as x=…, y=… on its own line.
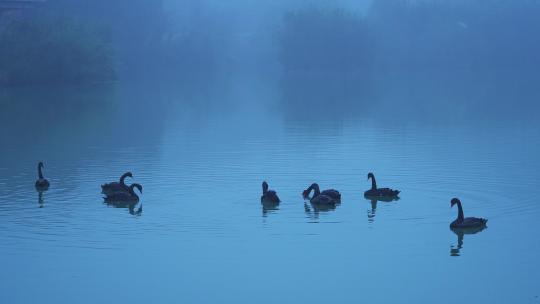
x=125, y=196
x=332, y=193
x=113, y=187
x=465, y=222
x=375, y=192
x=42, y=184
x=269, y=196
x=330, y=196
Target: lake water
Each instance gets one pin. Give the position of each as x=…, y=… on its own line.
x=200, y=234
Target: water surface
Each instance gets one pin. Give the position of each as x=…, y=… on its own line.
x=200, y=233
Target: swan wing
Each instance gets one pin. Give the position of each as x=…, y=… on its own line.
x=121, y=197
x=270, y=196
x=110, y=188
x=323, y=199
x=333, y=193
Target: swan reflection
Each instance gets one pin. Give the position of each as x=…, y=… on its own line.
x=374, y=201
x=313, y=210
x=269, y=208
x=41, y=201
x=371, y=213
x=126, y=205
x=460, y=232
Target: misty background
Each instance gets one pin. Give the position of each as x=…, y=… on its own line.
x=424, y=57
x=202, y=100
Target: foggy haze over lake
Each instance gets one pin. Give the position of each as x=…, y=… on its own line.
x=203, y=100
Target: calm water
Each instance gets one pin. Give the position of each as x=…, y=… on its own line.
x=200, y=234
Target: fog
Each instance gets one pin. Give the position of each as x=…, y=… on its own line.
x=203, y=100
x=428, y=57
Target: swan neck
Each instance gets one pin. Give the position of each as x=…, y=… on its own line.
x=316, y=190
x=308, y=190
x=132, y=189
x=40, y=172
x=122, y=178
x=373, y=183
x=460, y=212
x=460, y=240
x=265, y=189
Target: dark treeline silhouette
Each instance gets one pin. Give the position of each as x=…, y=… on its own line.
x=458, y=34
x=45, y=48
x=458, y=55
x=156, y=38
x=80, y=41
x=462, y=53
x=135, y=28
x=152, y=38
x=418, y=55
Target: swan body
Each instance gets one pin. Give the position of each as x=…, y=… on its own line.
x=332, y=193
x=460, y=231
x=330, y=196
x=125, y=196
x=42, y=184
x=463, y=222
x=322, y=199
x=375, y=192
x=269, y=196
x=111, y=188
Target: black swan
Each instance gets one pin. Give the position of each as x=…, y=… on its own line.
x=42, y=184
x=111, y=188
x=268, y=196
x=463, y=222
x=330, y=196
x=379, y=193
x=125, y=196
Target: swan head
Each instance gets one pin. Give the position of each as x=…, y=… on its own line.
x=454, y=201
x=265, y=186
x=306, y=192
x=137, y=186
x=370, y=175
x=40, y=165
